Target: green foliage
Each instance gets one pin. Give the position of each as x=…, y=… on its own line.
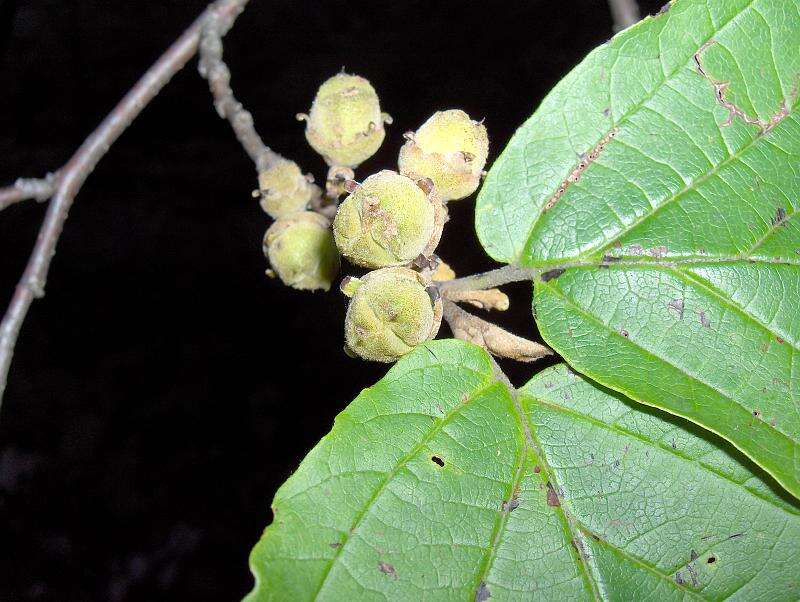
x=439, y=483
x=667, y=165
x=654, y=193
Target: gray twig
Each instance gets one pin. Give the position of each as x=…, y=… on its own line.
x=37, y=189
x=212, y=67
x=74, y=173
x=490, y=279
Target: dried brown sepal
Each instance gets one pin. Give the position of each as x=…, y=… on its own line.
x=443, y=272
x=491, y=337
x=337, y=180
x=489, y=299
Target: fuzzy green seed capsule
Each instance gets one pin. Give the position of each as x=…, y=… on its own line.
x=284, y=189
x=345, y=124
x=390, y=313
x=449, y=148
x=388, y=220
x=301, y=250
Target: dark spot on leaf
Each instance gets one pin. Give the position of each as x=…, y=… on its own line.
x=387, y=569
x=780, y=340
x=757, y=413
x=677, y=305
x=679, y=578
x=549, y=385
x=704, y=321
x=711, y=559
x=773, y=422
x=693, y=555
x=606, y=111
x=335, y=545
x=437, y=460
x=537, y=469
x=510, y=505
x=636, y=249
x=552, y=497
x=552, y=274
x=693, y=574
x=780, y=216
x=735, y=535
x=624, y=332
x=611, y=258
x=615, y=463
x=674, y=445
x=578, y=545
x=482, y=593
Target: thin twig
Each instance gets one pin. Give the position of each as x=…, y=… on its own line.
x=624, y=12
x=72, y=176
x=213, y=68
x=490, y=279
x=37, y=189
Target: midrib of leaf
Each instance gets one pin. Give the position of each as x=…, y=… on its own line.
x=647, y=567
x=698, y=281
x=502, y=519
x=625, y=117
x=587, y=569
x=400, y=464
x=632, y=394
x=615, y=428
x=689, y=187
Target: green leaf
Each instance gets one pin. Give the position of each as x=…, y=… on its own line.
x=439, y=483
x=664, y=174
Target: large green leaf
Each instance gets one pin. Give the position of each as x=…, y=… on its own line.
x=667, y=167
x=439, y=483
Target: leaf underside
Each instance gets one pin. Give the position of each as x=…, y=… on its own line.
x=440, y=483
x=667, y=168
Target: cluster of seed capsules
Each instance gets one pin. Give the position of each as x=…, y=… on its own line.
x=390, y=223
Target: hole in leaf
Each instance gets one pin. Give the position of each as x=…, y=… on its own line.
x=437, y=460
x=711, y=559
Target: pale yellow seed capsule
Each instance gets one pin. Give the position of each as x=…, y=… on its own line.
x=345, y=123
x=301, y=251
x=390, y=313
x=284, y=189
x=449, y=148
x=388, y=220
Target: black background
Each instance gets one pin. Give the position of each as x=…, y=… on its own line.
x=164, y=387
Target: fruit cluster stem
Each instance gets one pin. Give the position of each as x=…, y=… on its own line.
x=487, y=280
x=212, y=67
